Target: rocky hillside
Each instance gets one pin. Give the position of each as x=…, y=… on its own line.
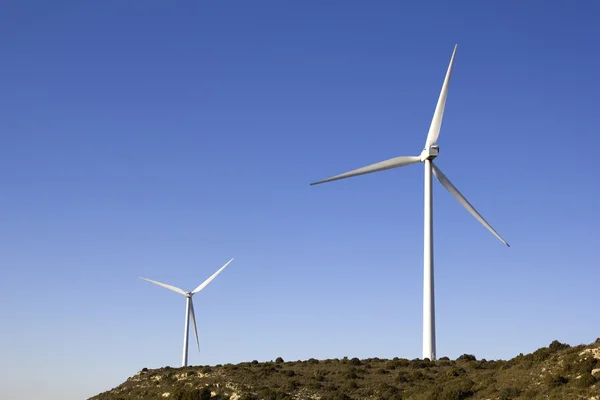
x=558, y=371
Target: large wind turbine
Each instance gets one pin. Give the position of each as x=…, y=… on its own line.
x=189, y=308
x=426, y=157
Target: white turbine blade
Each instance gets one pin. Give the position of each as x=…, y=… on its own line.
x=436, y=122
x=173, y=288
x=194, y=323
x=462, y=200
x=380, y=166
x=213, y=276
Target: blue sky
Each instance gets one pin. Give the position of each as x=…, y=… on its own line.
x=154, y=139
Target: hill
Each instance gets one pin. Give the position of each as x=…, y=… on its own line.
x=558, y=371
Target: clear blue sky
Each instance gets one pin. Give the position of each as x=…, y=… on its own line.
x=160, y=139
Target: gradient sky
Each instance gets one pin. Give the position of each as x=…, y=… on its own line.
x=160, y=139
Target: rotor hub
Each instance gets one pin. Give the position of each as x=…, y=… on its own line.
x=430, y=152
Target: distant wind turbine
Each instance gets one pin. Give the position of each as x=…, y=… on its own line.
x=189, y=309
x=430, y=152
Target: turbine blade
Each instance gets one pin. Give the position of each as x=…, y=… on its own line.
x=173, y=288
x=380, y=166
x=462, y=200
x=436, y=122
x=213, y=276
x=194, y=323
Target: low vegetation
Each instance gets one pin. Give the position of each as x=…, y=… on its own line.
x=558, y=371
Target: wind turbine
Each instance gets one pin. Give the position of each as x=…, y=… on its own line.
x=426, y=157
x=189, y=308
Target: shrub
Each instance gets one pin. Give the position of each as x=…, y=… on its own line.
x=271, y=394
x=444, y=359
x=493, y=364
x=318, y=376
x=194, y=394
x=401, y=362
x=176, y=395
x=355, y=361
x=417, y=364
x=387, y=391
x=402, y=377
x=315, y=385
x=338, y=396
x=279, y=360
x=204, y=394
x=458, y=389
x=586, y=380
x=395, y=397
x=267, y=370
x=556, y=345
x=555, y=381
x=510, y=393
x=416, y=376
x=585, y=366
x=477, y=365
x=467, y=357
x=530, y=394
x=540, y=354
x=331, y=387
x=314, y=361
x=456, y=372
x=350, y=374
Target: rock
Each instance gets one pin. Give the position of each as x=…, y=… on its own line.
x=595, y=353
x=235, y=396
x=166, y=394
x=596, y=372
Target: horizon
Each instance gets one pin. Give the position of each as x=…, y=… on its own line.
x=145, y=139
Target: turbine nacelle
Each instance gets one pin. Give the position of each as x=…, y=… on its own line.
x=430, y=152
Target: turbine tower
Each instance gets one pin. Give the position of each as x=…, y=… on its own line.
x=189, y=308
x=426, y=157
